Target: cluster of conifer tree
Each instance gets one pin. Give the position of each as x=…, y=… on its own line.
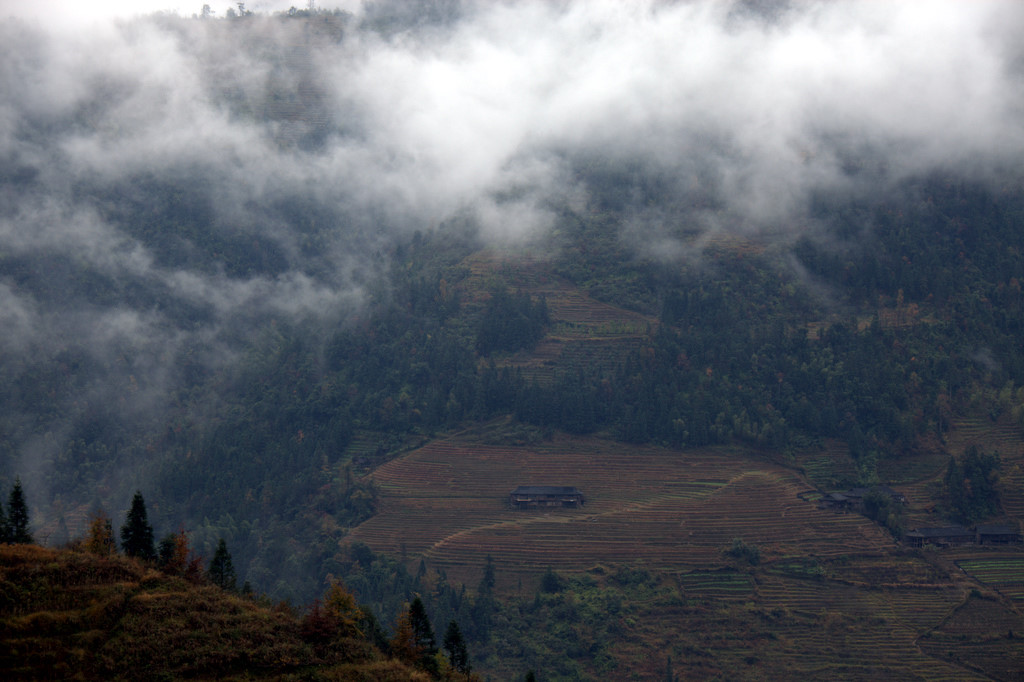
x=346, y=612
x=173, y=554
x=418, y=604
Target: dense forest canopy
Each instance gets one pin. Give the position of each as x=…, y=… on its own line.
x=229, y=245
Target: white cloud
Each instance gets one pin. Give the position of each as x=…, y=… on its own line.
x=434, y=124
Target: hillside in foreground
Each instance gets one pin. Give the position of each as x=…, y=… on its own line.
x=74, y=615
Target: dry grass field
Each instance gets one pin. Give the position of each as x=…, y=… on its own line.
x=659, y=508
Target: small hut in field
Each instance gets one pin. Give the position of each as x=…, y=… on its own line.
x=545, y=496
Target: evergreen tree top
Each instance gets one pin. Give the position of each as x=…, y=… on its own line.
x=422, y=630
x=17, y=516
x=455, y=645
x=221, y=570
x=136, y=533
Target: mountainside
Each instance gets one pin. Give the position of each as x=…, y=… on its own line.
x=327, y=286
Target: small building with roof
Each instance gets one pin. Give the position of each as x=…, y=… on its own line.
x=853, y=499
x=997, y=534
x=545, y=496
x=943, y=537
x=982, y=534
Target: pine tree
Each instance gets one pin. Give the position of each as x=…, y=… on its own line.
x=484, y=605
x=455, y=645
x=423, y=636
x=421, y=627
x=136, y=533
x=3, y=525
x=221, y=571
x=17, y=516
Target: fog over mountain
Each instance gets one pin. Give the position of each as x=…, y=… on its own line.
x=291, y=156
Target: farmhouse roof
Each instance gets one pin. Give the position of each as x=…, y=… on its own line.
x=546, y=490
x=997, y=529
x=943, y=532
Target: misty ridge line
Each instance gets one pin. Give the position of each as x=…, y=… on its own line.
x=204, y=177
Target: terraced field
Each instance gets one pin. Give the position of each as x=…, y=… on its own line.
x=582, y=331
x=828, y=467
x=1000, y=571
x=981, y=634
x=1004, y=438
x=667, y=510
x=817, y=628
x=1011, y=490
x=722, y=584
x=913, y=468
x=833, y=597
x=572, y=312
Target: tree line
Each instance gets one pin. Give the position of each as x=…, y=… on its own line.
x=172, y=555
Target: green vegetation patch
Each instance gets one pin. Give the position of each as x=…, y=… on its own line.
x=911, y=468
x=799, y=568
x=717, y=583
x=1006, y=574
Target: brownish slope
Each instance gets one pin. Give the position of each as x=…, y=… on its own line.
x=447, y=501
x=73, y=615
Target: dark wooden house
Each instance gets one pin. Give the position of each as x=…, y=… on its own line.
x=997, y=534
x=534, y=496
x=942, y=537
x=853, y=499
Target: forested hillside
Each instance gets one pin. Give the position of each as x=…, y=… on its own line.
x=309, y=279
